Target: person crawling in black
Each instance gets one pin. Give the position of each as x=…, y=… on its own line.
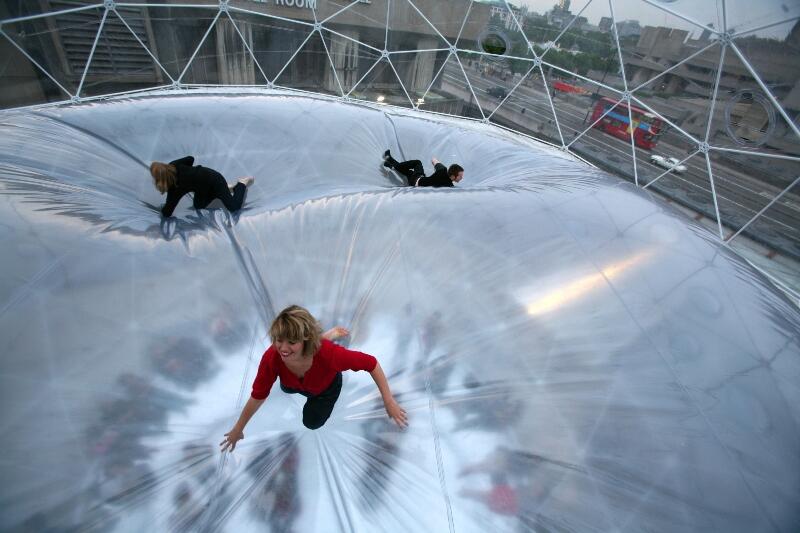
x=415, y=174
x=182, y=176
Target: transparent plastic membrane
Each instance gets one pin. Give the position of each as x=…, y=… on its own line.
x=636, y=87
x=573, y=354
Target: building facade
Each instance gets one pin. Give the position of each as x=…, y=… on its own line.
x=131, y=46
x=686, y=89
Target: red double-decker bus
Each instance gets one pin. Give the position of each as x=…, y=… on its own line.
x=646, y=126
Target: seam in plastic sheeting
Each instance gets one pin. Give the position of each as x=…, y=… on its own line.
x=432, y=409
x=337, y=488
x=100, y=139
x=265, y=308
x=680, y=383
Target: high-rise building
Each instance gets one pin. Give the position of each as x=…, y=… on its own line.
x=627, y=28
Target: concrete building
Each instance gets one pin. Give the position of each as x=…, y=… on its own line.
x=498, y=9
x=627, y=28
x=559, y=16
x=586, y=26
x=684, y=92
x=61, y=45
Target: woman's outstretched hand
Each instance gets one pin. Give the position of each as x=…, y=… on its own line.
x=231, y=438
x=396, y=413
x=336, y=332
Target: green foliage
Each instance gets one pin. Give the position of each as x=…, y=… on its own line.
x=597, y=51
x=493, y=44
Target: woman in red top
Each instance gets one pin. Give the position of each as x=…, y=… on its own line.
x=309, y=363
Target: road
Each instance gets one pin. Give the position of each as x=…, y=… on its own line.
x=740, y=194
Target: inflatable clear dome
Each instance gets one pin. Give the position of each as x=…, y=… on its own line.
x=595, y=330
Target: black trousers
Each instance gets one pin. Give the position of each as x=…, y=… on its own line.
x=232, y=202
x=318, y=408
x=412, y=170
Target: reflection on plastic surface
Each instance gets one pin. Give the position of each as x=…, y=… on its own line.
x=573, y=355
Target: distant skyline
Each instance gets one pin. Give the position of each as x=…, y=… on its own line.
x=741, y=14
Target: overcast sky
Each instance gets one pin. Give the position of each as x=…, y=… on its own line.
x=741, y=14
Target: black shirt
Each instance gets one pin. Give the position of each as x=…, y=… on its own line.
x=205, y=183
x=439, y=178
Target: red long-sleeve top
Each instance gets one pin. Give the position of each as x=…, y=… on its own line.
x=328, y=361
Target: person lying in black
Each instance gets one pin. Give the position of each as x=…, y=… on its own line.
x=415, y=174
x=181, y=176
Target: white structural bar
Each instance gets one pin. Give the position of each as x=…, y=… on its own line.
x=417, y=51
x=631, y=129
x=778, y=197
x=714, y=94
x=519, y=27
x=333, y=65
x=567, y=27
x=682, y=161
x=793, y=294
x=584, y=78
x=91, y=52
x=662, y=7
x=375, y=64
x=744, y=32
x=51, y=14
x=633, y=143
x=676, y=65
x=552, y=107
x=522, y=78
x=203, y=40
x=592, y=125
x=714, y=196
x=724, y=17
x=18, y=47
x=434, y=28
x=464, y=22
x=343, y=36
x=386, y=27
x=434, y=78
x=146, y=49
x=345, y=8
x=503, y=57
x=757, y=154
x=247, y=46
x=766, y=90
x=643, y=104
x=148, y=4
x=278, y=75
x=265, y=15
x=402, y=86
x=471, y=90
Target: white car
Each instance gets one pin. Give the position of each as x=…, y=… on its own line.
x=668, y=162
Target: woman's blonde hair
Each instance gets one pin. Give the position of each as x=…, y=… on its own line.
x=296, y=324
x=164, y=175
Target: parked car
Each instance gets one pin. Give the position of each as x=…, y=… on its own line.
x=668, y=162
x=497, y=92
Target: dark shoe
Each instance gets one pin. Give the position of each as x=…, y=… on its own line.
x=387, y=163
x=387, y=155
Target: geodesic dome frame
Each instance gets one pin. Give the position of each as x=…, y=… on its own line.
x=735, y=209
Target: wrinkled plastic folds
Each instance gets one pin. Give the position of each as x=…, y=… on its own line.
x=573, y=354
